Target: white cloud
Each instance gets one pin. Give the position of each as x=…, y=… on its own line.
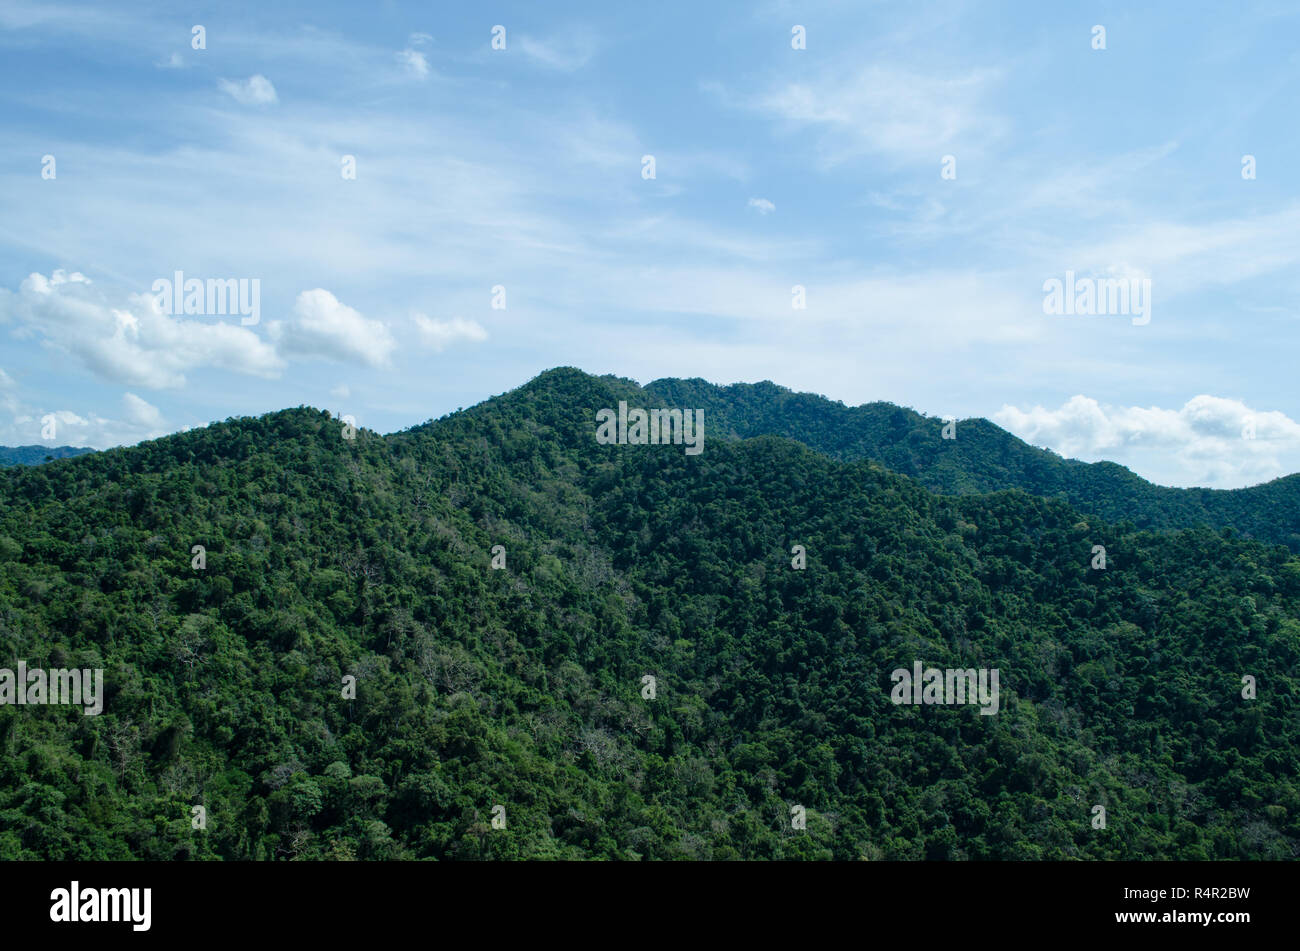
x=566, y=52
x=1183, y=257
x=173, y=62
x=62, y=418
x=130, y=340
x=764, y=206
x=324, y=326
x=342, y=391
x=253, y=91
x=440, y=334
x=29, y=426
x=414, y=63
x=1219, y=442
x=883, y=109
x=142, y=413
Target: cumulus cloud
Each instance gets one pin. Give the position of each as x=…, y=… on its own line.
x=253, y=91
x=129, y=339
x=440, y=334
x=323, y=326
x=67, y=427
x=64, y=427
x=763, y=205
x=1223, y=441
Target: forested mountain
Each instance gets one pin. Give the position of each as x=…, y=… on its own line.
x=35, y=455
x=984, y=458
x=523, y=687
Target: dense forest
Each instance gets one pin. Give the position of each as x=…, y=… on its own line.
x=985, y=458
x=523, y=687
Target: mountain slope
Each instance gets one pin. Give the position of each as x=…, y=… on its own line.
x=984, y=458
x=523, y=687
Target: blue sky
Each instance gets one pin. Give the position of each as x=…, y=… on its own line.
x=774, y=167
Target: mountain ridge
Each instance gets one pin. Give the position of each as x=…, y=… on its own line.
x=983, y=458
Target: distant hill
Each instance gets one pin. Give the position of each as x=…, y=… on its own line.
x=983, y=458
x=35, y=455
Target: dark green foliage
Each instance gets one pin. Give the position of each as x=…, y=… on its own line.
x=984, y=458
x=522, y=687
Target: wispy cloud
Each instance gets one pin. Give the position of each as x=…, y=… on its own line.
x=414, y=63
x=881, y=110
x=566, y=51
x=253, y=91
